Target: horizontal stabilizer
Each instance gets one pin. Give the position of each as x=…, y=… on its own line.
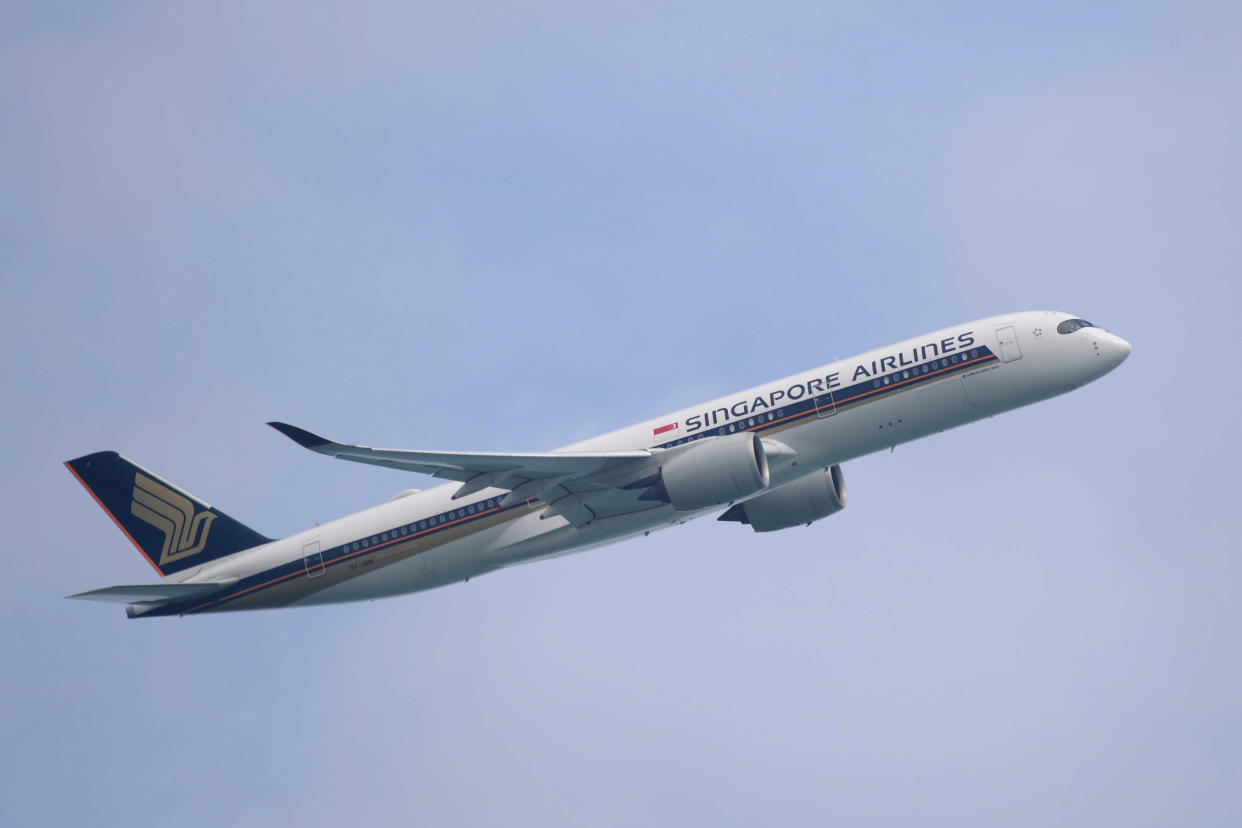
x=145, y=593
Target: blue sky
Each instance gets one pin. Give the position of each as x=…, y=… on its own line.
x=512, y=228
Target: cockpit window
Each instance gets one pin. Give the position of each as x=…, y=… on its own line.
x=1071, y=325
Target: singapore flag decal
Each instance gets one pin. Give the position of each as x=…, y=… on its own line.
x=663, y=428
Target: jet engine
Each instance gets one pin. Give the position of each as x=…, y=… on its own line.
x=711, y=472
x=803, y=501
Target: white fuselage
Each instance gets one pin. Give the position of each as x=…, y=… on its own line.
x=1029, y=361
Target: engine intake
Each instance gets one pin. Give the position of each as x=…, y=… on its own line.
x=803, y=501
x=712, y=472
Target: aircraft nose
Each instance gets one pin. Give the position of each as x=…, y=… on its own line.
x=1114, y=349
x=1119, y=348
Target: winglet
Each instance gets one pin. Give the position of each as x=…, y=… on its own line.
x=300, y=436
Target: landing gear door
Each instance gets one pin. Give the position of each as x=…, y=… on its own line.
x=1007, y=340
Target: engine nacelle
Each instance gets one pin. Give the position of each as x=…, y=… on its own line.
x=803, y=501
x=711, y=472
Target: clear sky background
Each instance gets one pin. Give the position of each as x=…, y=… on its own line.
x=504, y=227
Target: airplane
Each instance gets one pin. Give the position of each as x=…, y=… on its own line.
x=768, y=457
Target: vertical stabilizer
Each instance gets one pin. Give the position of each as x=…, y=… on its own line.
x=172, y=530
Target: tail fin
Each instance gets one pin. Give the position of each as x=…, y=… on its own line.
x=172, y=530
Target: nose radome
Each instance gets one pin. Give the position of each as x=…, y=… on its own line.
x=1115, y=349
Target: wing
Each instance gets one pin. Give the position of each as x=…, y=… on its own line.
x=579, y=486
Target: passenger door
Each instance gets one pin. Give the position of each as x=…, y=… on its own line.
x=1007, y=340
x=313, y=559
x=825, y=405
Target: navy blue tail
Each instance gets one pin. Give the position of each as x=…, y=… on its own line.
x=173, y=530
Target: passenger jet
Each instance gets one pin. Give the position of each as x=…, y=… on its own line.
x=768, y=457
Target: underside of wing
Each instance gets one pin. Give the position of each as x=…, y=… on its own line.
x=567, y=481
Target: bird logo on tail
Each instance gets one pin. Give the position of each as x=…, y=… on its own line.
x=185, y=530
